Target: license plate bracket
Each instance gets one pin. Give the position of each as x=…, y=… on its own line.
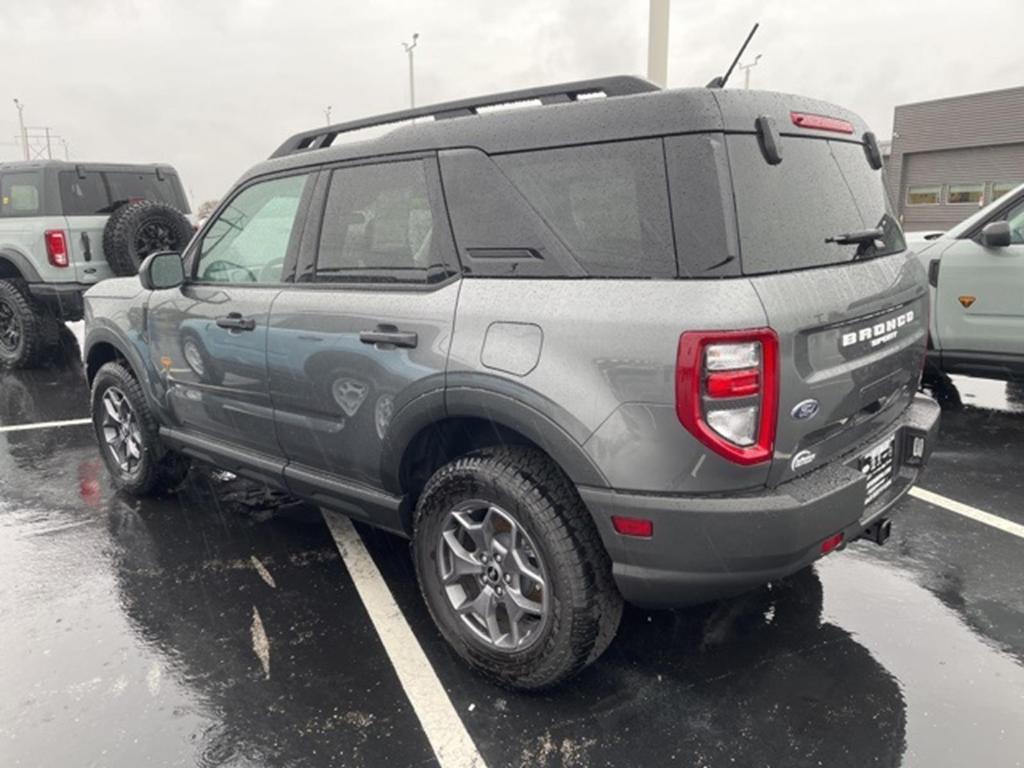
x=878, y=465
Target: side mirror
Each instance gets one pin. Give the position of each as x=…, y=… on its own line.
x=162, y=270
x=996, y=234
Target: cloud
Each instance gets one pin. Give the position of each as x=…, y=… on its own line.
x=214, y=87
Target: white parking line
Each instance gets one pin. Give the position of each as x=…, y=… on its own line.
x=445, y=731
x=45, y=425
x=1007, y=526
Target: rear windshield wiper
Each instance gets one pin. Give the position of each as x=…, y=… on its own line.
x=860, y=237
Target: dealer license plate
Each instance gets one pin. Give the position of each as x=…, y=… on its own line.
x=878, y=465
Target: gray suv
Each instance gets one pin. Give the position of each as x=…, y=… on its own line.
x=626, y=343
x=66, y=226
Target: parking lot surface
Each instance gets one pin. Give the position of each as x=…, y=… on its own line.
x=228, y=626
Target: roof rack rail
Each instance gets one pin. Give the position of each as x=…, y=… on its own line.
x=621, y=85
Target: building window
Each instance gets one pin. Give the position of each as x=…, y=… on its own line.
x=924, y=195
x=965, y=193
x=1000, y=188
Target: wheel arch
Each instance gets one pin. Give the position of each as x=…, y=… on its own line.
x=14, y=265
x=438, y=427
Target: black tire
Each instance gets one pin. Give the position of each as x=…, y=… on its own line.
x=583, y=605
x=27, y=330
x=157, y=469
x=136, y=230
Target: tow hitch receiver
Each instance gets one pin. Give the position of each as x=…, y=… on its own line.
x=878, y=531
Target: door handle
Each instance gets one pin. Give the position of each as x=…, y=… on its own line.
x=389, y=334
x=235, y=322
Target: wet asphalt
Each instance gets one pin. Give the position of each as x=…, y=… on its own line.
x=220, y=627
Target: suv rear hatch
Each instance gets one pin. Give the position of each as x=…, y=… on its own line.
x=89, y=194
x=850, y=313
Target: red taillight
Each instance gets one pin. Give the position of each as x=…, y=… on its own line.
x=633, y=526
x=831, y=543
x=733, y=383
x=821, y=122
x=727, y=391
x=56, y=247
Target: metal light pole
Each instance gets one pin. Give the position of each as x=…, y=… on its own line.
x=327, y=114
x=21, y=125
x=657, y=43
x=746, y=70
x=67, y=152
x=412, y=81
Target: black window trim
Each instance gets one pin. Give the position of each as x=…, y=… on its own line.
x=191, y=254
x=304, y=276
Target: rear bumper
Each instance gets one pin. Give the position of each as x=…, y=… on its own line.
x=708, y=547
x=63, y=299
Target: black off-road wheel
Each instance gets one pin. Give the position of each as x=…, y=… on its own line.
x=128, y=435
x=136, y=230
x=512, y=569
x=27, y=330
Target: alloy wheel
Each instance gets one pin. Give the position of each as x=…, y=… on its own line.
x=10, y=328
x=493, y=576
x=121, y=430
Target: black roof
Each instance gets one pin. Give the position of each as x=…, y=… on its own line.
x=630, y=108
x=71, y=165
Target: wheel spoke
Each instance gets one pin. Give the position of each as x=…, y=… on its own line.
x=112, y=406
x=462, y=561
x=518, y=604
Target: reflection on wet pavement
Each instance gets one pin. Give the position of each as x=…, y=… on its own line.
x=218, y=627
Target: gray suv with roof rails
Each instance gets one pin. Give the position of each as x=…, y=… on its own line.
x=662, y=346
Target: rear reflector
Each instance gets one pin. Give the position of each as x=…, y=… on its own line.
x=633, y=526
x=56, y=247
x=831, y=543
x=821, y=122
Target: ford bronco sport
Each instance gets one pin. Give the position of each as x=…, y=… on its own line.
x=661, y=346
x=66, y=226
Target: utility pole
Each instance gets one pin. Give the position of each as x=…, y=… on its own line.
x=412, y=80
x=67, y=152
x=657, y=43
x=21, y=125
x=746, y=70
x=49, y=150
x=327, y=114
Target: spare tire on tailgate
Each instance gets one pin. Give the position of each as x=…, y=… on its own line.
x=136, y=230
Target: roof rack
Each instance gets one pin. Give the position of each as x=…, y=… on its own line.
x=621, y=85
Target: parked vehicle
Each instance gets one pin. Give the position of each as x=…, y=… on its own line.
x=976, y=272
x=662, y=346
x=66, y=226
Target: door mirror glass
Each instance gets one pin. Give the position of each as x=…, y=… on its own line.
x=162, y=270
x=996, y=234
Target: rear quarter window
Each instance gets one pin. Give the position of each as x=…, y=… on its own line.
x=607, y=202
x=19, y=195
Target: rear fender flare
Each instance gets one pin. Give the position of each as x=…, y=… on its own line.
x=20, y=263
x=503, y=402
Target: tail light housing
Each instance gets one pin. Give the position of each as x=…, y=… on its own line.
x=727, y=391
x=57, y=247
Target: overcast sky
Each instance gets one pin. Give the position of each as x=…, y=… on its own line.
x=213, y=86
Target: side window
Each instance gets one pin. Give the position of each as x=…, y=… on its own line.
x=248, y=241
x=19, y=195
x=1015, y=217
x=379, y=225
x=607, y=202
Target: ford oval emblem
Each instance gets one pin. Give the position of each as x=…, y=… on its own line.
x=804, y=410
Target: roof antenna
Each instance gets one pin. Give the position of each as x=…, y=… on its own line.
x=721, y=80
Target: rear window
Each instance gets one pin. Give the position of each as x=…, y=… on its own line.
x=100, y=192
x=607, y=202
x=821, y=189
